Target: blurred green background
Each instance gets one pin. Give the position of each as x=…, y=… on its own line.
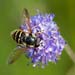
x=10, y=19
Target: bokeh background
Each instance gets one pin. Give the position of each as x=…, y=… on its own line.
x=10, y=19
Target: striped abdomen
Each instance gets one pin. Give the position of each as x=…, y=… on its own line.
x=18, y=36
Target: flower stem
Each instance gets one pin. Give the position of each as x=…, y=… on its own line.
x=70, y=52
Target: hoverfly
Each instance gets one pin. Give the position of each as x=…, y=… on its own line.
x=23, y=39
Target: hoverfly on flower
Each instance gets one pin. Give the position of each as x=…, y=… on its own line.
x=39, y=38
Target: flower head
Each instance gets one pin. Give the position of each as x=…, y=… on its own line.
x=51, y=44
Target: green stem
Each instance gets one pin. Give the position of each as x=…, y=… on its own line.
x=70, y=52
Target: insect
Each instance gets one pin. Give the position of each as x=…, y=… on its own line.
x=23, y=39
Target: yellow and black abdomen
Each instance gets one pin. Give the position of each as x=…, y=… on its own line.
x=18, y=36
x=26, y=39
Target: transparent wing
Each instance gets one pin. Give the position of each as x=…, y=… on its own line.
x=27, y=19
x=18, y=51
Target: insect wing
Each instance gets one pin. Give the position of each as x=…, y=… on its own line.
x=14, y=55
x=27, y=19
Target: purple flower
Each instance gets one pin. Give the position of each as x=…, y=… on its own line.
x=52, y=43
